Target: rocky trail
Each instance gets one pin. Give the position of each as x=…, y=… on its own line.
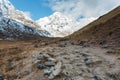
x=60, y=62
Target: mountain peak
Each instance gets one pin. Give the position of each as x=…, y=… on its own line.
x=9, y=11
x=58, y=24
x=57, y=13
x=6, y=7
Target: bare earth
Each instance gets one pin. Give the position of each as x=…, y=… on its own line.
x=78, y=62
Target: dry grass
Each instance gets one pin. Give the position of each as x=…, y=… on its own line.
x=104, y=31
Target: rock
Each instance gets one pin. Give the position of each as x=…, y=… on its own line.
x=36, y=46
x=69, y=78
x=51, y=59
x=68, y=66
x=51, y=67
x=1, y=77
x=40, y=66
x=92, y=61
x=61, y=53
x=57, y=70
x=61, y=45
x=36, y=61
x=77, y=51
x=79, y=64
x=42, y=56
x=10, y=66
x=79, y=78
x=44, y=44
x=79, y=73
x=49, y=63
x=84, y=54
x=105, y=46
x=23, y=73
x=114, y=75
x=83, y=43
x=97, y=78
x=111, y=63
x=52, y=72
x=96, y=71
x=47, y=72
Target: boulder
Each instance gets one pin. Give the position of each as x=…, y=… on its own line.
x=52, y=72
x=49, y=63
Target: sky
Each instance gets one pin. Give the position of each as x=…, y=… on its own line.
x=75, y=9
x=34, y=8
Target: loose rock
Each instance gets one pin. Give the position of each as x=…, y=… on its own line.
x=49, y=63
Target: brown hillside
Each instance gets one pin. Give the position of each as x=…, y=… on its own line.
x=105, y=30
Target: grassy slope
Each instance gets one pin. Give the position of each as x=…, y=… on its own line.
x=105, y=29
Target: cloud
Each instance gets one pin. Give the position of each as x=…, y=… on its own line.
x=78, y=9
x=85, y=21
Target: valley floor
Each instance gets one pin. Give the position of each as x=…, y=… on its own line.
x=20, y=60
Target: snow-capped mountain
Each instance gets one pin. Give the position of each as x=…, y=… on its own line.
x=14, y=22
x=11, y=29
x=9, y=11
x=58, y=24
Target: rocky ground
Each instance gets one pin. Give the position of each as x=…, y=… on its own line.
x=63, y=61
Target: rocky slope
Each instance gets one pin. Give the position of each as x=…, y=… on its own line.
x=56, y=61
x=104, y=31
x=10, y=29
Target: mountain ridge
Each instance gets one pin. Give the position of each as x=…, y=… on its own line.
x=15, y=22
